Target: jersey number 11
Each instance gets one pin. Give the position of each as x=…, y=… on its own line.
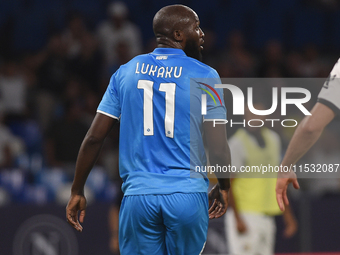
x=169, y=89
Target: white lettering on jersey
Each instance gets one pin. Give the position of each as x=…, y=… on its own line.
x=161, y=72
x=180, y=72
x=153, y=70
x=137, y=67
x=162, y=57
x=147, y=67
x=169, y=71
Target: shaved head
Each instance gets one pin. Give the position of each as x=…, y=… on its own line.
x=171, y=18
x=177, y=26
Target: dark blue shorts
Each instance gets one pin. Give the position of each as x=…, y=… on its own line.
x=173, y=224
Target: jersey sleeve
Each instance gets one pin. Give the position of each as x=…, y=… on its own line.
x=330, y=92
x=215, y=98
x=110, y=103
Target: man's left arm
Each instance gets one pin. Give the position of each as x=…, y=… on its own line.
x=219, y=154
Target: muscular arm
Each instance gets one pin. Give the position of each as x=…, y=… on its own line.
x=87, y=157
x=89, y=150
x=219, y=154
x=306, y=134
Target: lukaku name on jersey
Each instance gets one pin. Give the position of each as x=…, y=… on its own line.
x=163, y=72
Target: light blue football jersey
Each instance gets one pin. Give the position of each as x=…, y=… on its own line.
x=157, y=97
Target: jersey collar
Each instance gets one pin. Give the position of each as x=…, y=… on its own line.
x=168, y=51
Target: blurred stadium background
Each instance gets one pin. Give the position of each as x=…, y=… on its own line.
x=56, y=58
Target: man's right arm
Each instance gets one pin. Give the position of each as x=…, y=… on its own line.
x=306, y=134
x=90, y=149
x=88, y=154
x=219, y=154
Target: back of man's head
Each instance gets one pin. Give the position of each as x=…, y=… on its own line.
x=171, y=18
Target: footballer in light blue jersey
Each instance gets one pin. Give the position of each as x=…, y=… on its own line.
x=157, y=98
x=161, y=121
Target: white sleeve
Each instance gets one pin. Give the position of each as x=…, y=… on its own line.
x=330, y=92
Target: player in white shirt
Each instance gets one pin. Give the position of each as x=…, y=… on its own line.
x=309, y=131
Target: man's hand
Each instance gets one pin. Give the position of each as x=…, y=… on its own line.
x=218, y=202
x=283, y=179
x=75, y=204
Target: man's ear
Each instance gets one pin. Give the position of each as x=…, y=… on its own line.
x=179, y=36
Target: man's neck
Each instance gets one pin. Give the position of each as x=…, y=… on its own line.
x=164, y=42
